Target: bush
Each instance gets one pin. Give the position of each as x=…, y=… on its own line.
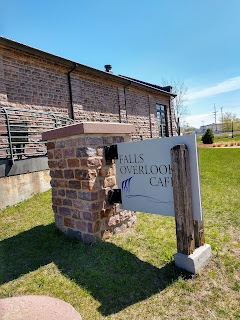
x=208, y=137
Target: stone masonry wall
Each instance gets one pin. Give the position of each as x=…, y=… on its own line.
x=81, y=179
x=31, y=82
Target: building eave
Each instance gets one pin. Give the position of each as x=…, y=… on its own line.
x=46, y=55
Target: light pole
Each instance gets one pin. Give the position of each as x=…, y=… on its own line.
x=232, y=129
x=178, y=123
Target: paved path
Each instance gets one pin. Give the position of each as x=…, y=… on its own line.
x=36, y=308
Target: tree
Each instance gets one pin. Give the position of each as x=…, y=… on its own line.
x=226, y=121
x=208, y=137
x=190, y=129
x=180, y=88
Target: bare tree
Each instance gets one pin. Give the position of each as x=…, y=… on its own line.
x=181, y=89
x=229, y=119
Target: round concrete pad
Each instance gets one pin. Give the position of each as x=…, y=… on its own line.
x=36, y=308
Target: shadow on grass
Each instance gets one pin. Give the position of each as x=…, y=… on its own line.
x=113, y=276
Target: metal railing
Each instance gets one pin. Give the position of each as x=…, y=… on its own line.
x=21, y=131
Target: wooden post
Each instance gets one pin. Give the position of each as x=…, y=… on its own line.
x=182, y=199
x=199, y=233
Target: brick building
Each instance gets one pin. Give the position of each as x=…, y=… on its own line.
x=34, y=79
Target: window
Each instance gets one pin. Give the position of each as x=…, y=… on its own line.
x=162, y=121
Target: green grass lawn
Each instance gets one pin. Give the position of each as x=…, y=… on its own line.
x=132, y=275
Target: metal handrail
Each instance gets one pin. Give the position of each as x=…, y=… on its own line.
x=22, y=128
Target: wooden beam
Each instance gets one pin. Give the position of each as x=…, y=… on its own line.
x=182, y=199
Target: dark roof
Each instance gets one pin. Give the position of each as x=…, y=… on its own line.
x=166, y=88
x=124, y=80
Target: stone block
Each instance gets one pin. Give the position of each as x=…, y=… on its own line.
x=62, y=164
x=81, y=225
x=62, y=184
x=57, y=201
x=78, y=204
x=54, y=183
x=60, y=144
x=54, y=192
x=58, y=174
x=58, y=220
x=195, y=261
x=77, y=214
x=105, y=171
x=50, y=145
x=93, y=141
x=68, y=222
x=118, y=139
x=100, y=151
x=109, y=182
x=67, y=202
x=91, y=206
x=88, y=196
x=50, y=155
x=90, y=185
x=113, y=221
x=85, y=152
x=52, y=164
x=71, y=142
x=68, y=174
x=58, y=153
x=84, y=174
x=73, y=163
x=73, y=184
x=90, y=216
x=94, y=162
x=71, y=194
x=64, y=211
x=69, y=153
x=107, y=140
x=61, y=192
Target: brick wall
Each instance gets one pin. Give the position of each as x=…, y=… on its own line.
x=31, y=82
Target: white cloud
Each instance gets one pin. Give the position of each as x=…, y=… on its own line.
x=196, y=120
x=225, y=86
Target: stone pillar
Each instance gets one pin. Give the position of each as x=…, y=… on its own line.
x=81, y=179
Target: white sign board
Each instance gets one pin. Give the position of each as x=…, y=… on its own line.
x=144, y=175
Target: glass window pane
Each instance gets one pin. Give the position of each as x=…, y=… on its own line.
x=162, y=121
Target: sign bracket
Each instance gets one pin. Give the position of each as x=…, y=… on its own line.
x=115, y=196
x=111, y=152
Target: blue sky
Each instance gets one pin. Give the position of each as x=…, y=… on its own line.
x=194, y=41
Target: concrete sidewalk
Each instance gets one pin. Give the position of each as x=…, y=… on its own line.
x=36, y=308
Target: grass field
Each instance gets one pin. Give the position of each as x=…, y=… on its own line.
x=132, y=275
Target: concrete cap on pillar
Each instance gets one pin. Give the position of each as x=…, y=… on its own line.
x=89, y=128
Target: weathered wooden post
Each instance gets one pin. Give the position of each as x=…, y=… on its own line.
x=189, y=232
x=182, y=199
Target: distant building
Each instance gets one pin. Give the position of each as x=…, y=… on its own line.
x=214, y=127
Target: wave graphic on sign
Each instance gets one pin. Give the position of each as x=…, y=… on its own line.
x=150, y=199
x=126, y=184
